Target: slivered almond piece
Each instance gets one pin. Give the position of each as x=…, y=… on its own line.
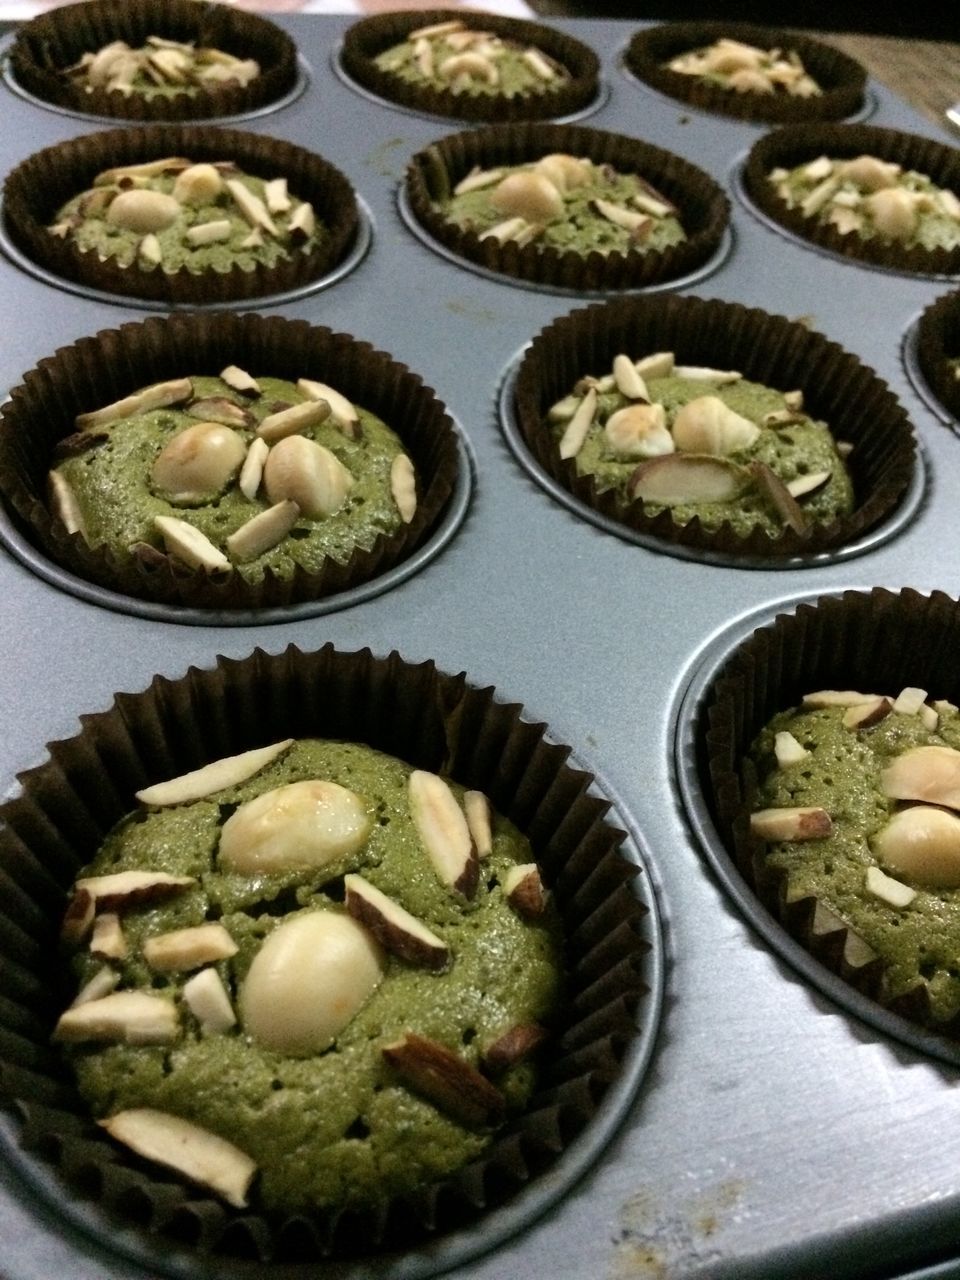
x=677, y=478
x=513, y=1046
x=229, y=771
x=701, y=373
x=107, y=941
x=791, y=824
x=302, y=222
x=63, y=502
x=571, y=442
x=101, y=984
x=779, y=418
x=148, y=169
x=867, y=714
x=120, y=889
x=263, y=532
x=183, y=949
x=929, y=718
x=342, y=411
x=788, y=750
x=209, y=232
x=393, y=926
x=122, y=1017
x=158, y=396
x=563, y=410
x=251, y=473
x=837, y=698
x=78, y=918
x=658, y=365
x=188, y=544
x=945, y=708
x=207, y=999
x=239, y=380
x=251, y=207
x=435, y=29
x=621, y=217
x=887, y=889
x=931, y=774
x=647, y=204
x=509, y=229
x=909, y=701
x=473, y=65
x=290, y=422
x=923, y=844
x=773, y=488
x=629, y=382
x=538, y=64
x=447, y=1080
x=196, y=1153
x=276, y=196
x=443, y=831
x=476, y=808
x=423, y=56
x=524, y=891
x=150, y=251
x=804, y=486
x=220, y=410
x=477, y=179
x=253, y=241
x=403, y=487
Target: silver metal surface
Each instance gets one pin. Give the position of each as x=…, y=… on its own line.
x=774, y=1135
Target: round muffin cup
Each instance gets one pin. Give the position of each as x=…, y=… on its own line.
x=703, y=209
x=38, y=187
x=798, y=144
x=367, y=39
x=100, y=370
x=938, y=342
x=837, y=389
x=431, y=720
x=859, y=640
x=54, y=41
x=841, y=78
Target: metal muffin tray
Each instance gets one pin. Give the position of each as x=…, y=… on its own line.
x=771, y=1133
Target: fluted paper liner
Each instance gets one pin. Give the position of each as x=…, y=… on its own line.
x=938, y=342
x=38, y=187
x=702, y=207
x=799, y=144
x=432, y=720
x=115, y=362
x=877, y=640
x=842, y=79
x=49, y=43
x=856, y=405
x=370, y=37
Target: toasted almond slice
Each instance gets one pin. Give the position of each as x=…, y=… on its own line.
x=222, y=411
x=263, y=532
x=197, y=1154
x=909, y=701
x=931, y=774
x=148, y=169
x=78, y=918
x=251, y=473
x=447, y=1080
x=571, y=442
x=289, y=422
x=251, y=207
x=788, y=750
x=477, y=179
x=509, y=229
x=303, y=222
x=342, y=411
x=229, y=771
x=888, y=890
x=423, y=56
x=628, y=380
x=677, y=478
x=538, y=64
x=791, y=824
x=513, y=1046
x=188, y=544
x=181, y=950
x=64, y=503
x=476, y=808
x=108, y=942
x=239, y=380
x=276, y=196
x=819, y=197
x=629, y=219
x=120, y=889
x=122, y=1017
x=773, y=488
x=101, y=984
x=393, y=926
x=563, y=410
x=837, y=698
x=867, y=714
x=207, y=999
x=923, y=844
x=443, y=830
x=209, y=232
x=403, y=487
x=524, y=891
x=658, y=365
x=436, y=29
x=804, y=486
x=701, y=373
x=647, y=204
x=158, y=396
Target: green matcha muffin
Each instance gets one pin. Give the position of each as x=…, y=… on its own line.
x=300, y=993
x=566, y=206
x=182, y=214
x=747, y=71
x=714, y=427
x=887, y=198
x=154, y=59
x=471, y=66
x=254, y=475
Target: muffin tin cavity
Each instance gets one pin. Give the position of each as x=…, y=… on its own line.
x=931, y=357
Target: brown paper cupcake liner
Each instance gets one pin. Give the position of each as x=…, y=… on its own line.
x=38, y=187
x=837, y=389
x=842, y=80
x=798, y=144
x=878, y=640
x=372, y=36
x=703, y=207
x=432, y=720
x=48, y=44
x=102, y=369
x=938, y=342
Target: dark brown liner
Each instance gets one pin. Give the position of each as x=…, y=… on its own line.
x=99, y=370
x=703, y=207
x=781, y=353
x=55, y=40
x=799, y=144
x=878, y=640
x=38, y=187
x=938, y=341
x=434, y=721
x=372, y=36
x=842, y=79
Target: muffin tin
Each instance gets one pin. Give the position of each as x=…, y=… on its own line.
x=773, y=1133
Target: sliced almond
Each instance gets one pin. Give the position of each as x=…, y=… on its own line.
x=788, y=750
x=563, y=410
x=302, y=222
x=837, y=698
x=447, y=1080
x=276, y=196
x=222, y=411
x=888, y=890
x=122, y=1017
x=648, y=204
x=679, y=478
x=539, y=65
x=298, y=826
x=476, y=180
x=773, y=488
x=867, y=714
x=206, y=997
x=923, y=844
x=629, y=219
x=148, y=169
x=253, y=241
x=476, y=808
x=513, y=1046
x=209, y=232
x=291, y=421
x=107, y=941
x=804, y=486
x=403, y=487
x=524, y=891
x=443, y=830
x=423, y=56
x=658, y=365
x=251, y=473
x=470, y=65
x=229, y=771
x=629, y=381
x=65, y=504
x=181, y=950
x=701, y=373
x=239, y=380
x=342, y=411
x=197, y=1154
x=262, y=532
x=159, y=396
x=571, y=442
x=394, y=927
x=101, y=984
x=791, y=824
x=931, y=774
x=820, y=196
x=188, y=544
x=909, y=701
x=930, y=719
x=252, y=208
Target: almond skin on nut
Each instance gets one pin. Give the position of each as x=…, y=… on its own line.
x=446, y=1080
x=393, y=926
x=513, y=1046
x=791, y=824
